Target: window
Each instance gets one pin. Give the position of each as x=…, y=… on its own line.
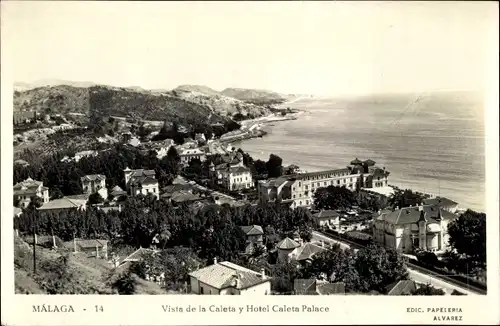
x=325, y=183
x=201, y=289
x=307, y=202
x=299, y=184
x=300, y=202
x=293, y=196
x=338, y=182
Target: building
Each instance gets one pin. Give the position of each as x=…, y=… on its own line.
x=444, y=203
x=78, y=156
x=328, y=218
x=141, y=182
x=226, y=278
x=95, y=183
x=189, y=154
x=422, y=227
x=254, y=236
x=404, y=287
x=232, y=174
x=117, y=192
x=21, y=117
x=285, y=248
x=63, y=204
x=306, y=252
x=315, y=287
x=22, y=163
x=92, y=247
x=24, y=190
x=298, y=189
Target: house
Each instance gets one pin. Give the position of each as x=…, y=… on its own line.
x=24, y=190
x=78, y=156
x=95, y=183
x=189, y=154
x=328, y=218
x=134, y=142
x=285, y=248
x=133, y=257
x=232, y=174
x=92, y=247
x=254, y=236
x=403, y=287
x=315, y=287
x=298, y=189
x=21, y=117
x=442, y=202
x=226, y=278
x=421, y=227
x=63, y=204
x=306, y=252
x=141, y=182
x=183, y=196
x=117, y=192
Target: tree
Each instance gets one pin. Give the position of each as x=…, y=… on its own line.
x=378, y=267
x=56, y=193
x=333, y=197
x=125, y=283
x=468, y=236
x=428, y=289
x=405, y=198
x=95, y=198
x=274, y=166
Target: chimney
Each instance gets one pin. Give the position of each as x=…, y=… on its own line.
x=237, y=280
x=263, y=273
x=215, y=260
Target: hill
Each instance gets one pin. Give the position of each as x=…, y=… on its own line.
x=80, y=275
x=22, y=86
x=256, y=96
x=198, y=89
x=113, y=101
x=219, y=103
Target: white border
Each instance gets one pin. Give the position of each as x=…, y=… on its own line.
x=132, y=310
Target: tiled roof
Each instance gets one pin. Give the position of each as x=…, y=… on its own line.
x=311, y=174
x=440, y=201
x=410, y=215
x=306, y=251
x=27, y=186
x=62, y=203
x=404, y=287
x=93, y=177
x=143, y=180
x=287, y=244
x=331, y=288
x=182, y=196
x=142, y=173
x=326, y=214
x=176, y=187
x=369, y=162
x=252, y=230
x=223, y=275
x=239, y=169
x=356, y=161
x=82, y=197
x=303, y=286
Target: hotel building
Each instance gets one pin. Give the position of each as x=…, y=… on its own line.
x=298, y=189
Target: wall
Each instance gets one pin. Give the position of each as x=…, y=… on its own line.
x=194, y=285
x=260, y=289
x=207, y=289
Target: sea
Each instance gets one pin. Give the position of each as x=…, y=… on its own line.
x=431, y=142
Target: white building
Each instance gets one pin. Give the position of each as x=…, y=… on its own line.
x=24, y=190
x=421, y=227
x=298, y=189
x=95, y=183
x=189, y=154
x=141, y=182
x=226, y=278
x=80, y=155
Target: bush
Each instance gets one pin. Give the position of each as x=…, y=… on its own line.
x=125, y=284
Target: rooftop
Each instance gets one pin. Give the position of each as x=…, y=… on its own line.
x=326, y=214
x=305, y=286
x=93, y=177
x=307, y=251
x=409, y=215
x=224, y=275
x=253, y=230
x=287, y=244
x=440, y=201
x=404, y=287
x=331, y=288
x=63, y=203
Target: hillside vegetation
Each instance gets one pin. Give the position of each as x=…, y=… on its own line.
x=62, y=272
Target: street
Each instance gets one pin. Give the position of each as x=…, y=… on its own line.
x=417, y=276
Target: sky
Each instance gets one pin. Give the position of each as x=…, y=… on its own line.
x=290, y=47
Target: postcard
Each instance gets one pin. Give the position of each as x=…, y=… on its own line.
x=320, y=162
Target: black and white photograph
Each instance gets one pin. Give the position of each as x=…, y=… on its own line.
x=253, y=149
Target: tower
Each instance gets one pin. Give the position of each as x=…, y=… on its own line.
x=127, y=173
x=422, y=230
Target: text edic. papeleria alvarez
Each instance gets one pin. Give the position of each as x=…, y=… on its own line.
x=246, y=308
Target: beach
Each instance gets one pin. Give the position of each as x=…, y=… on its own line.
x=433, y=143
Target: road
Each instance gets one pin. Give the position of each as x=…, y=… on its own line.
x=415, y=275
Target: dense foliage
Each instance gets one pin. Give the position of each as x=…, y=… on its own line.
x=405, y=198
x=468, y=237
x=428, y=289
